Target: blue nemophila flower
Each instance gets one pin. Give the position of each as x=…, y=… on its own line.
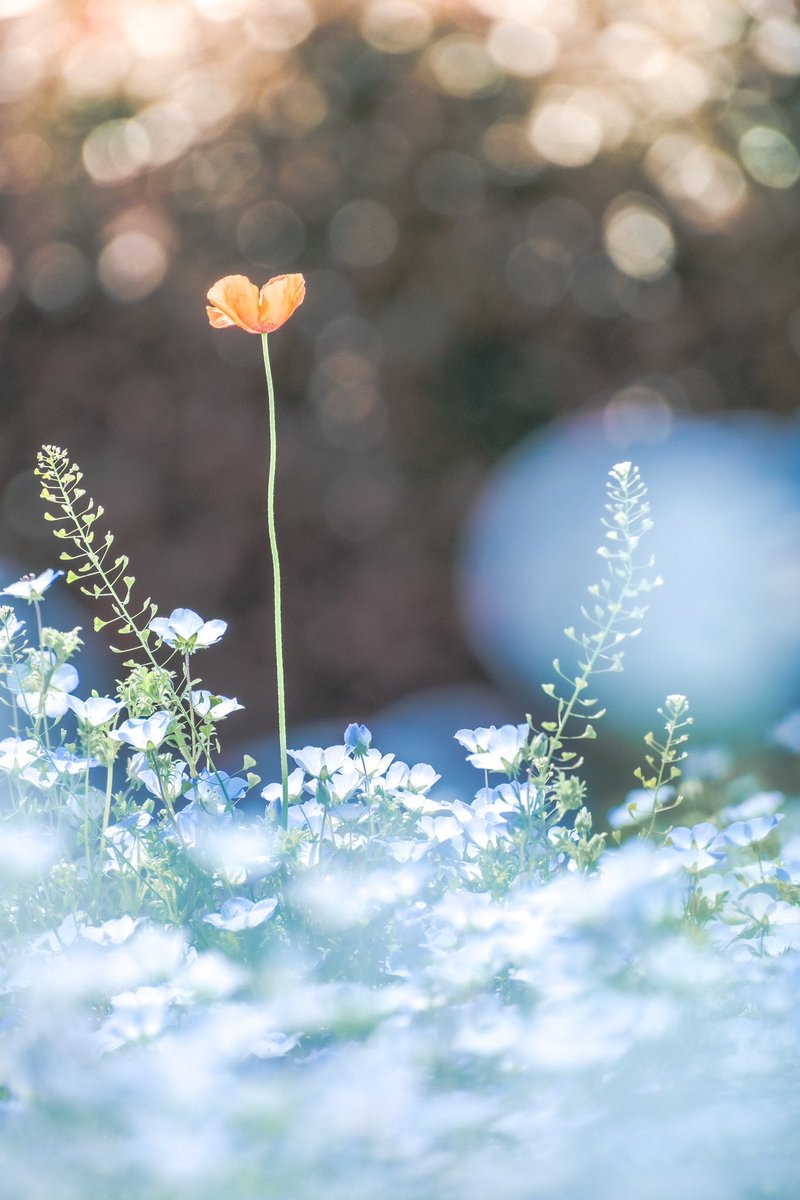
x=216, y=790
x=167, y=784
x=144, y=733
x=17, y=753
x=357, y=739
x=26, y=685
x=372, y=765
x=746, y=833
x=419, y=779
x=239, y=913
x=320, y=764
x=273, y=792
x=339, y=787
x=10, y=626
x=55, y=765
x=32, y=587
x=126, y=849
x=96, y=711
x=495, y=749
x=187, y=631
x=695, y=848
x=214, y=708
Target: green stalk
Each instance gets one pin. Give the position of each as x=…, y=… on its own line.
x=276, y=581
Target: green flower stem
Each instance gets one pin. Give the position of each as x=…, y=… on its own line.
x=276, y=581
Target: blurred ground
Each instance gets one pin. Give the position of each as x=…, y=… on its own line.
x=506, y=210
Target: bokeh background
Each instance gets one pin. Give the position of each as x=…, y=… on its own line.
x=508, y=213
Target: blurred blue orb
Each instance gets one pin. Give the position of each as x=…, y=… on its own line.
x=725, y=627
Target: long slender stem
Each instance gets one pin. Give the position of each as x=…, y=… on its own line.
x=276, y=581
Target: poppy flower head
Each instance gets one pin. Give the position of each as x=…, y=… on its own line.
x=234, y=300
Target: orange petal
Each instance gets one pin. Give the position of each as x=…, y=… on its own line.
x=278, y=299
x=235, y=302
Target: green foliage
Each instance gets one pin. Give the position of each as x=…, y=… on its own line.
x=99, y=572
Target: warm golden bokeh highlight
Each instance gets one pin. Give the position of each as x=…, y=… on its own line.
x=237, y=301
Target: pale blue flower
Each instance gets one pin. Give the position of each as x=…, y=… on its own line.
x=26, y=686
x=215, y=791
x=320, y=764
x=374, y=765
x=144, y=733
x=695, y=848
x=214, y=708
x=9, y=627
x=16, y=753
x=112, y=932
x=187, y=631
x=497, y=749
x=32, y=587
x=239, y=913
x=746, y=833
x=420, y=778
x=54, y=765
x=357, y=739
x=96, y=711
x=339, y=787
x=273, y=792
x=168, y=785
x=125, y=847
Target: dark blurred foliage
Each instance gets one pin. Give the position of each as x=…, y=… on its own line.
x=505, y=210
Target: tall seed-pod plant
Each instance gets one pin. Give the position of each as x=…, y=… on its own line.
x=612, y=619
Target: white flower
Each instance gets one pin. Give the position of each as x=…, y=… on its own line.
x=54, y=765
x=187, y=631
x=419, y=778
x=320, y=764
x=745, y=833
x=16, y=753
x=372, y=764
x=474, y=740
x=694, y=847
x=9, y=627
x=239, y=913
x=214, y=791
x=112, y=932
x=167, y=786
x=27, y=686
x=32, y=587
x=144, y=734
x=96, y=711
x=339, y=788
x=273, y=792
x=212, y=707
x=502, y=747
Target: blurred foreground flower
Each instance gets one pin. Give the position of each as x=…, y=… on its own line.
x=237, y=301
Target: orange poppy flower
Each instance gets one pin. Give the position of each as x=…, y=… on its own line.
x=237, y=301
